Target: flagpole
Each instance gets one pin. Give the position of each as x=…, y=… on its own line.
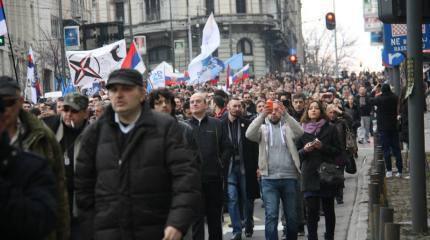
x=10, y=45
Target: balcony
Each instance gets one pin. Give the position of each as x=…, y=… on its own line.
x=260, y=20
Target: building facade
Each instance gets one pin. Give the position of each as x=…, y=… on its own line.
x=265, y=31
x=36, y=24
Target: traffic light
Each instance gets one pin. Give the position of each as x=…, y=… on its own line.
x=330, y=21
x=292, y=59
x=394, y=11
x=2, y=41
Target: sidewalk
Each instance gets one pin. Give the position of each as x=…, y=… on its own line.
x=399, y=194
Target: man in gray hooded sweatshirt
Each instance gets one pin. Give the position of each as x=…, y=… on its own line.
x=276, y=131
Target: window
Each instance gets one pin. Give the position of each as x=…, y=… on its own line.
x=152, y=10
x=55, y=26
x=159, y=54
x=245, y=46
x=210, y=7
x=119, y=11
x=241, y=6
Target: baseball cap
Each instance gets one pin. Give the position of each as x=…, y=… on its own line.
x=8, y=86
x=76, y=101
x=126, y=77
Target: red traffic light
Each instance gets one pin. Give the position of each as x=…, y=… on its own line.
x=293, y=59
x=330, y=21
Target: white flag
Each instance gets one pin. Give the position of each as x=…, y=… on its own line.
x=95, y=65
x=210, y=42
x=30, y=88
x=158, y=75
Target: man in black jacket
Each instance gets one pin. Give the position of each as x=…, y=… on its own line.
x=242, y=184
x=365, y=109
x=68, y=127
x=134, y=177
x=28, y=192
x=386, y=117
x=214, y=148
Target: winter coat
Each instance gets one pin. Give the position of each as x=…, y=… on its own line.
x=28, y=196
x=133, y=189
x=39, y=139
x=386, y=112
x=214, y=147
x=311, y=161
x=248, y=152
x=259, y=132
x=354, y=113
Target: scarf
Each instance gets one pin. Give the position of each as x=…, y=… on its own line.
x=313, y=127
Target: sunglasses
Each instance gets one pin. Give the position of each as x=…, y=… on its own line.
x=9, y=102
x=69, y=109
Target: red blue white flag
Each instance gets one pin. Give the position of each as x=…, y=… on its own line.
x=3, y=28
x=133, y=59
x=241, y=75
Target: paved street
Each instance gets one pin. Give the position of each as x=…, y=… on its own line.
x=349, y=221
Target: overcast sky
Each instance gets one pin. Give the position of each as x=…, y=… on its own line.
x=349, y=16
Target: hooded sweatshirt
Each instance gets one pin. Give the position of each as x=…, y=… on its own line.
x=280, y=162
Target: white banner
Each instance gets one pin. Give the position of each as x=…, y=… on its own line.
x=95, y=65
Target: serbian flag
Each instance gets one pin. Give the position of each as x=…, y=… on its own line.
x=32, y=89
x=3, y=28
x=133, y=59
x=241, y=75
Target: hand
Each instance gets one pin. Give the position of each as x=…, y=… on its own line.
x=308, y=147
x=280, y=108
x=258, y=173
x=266, y=111
x=171, y=233
x=317, y=144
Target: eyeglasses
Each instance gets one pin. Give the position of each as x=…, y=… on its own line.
x=69, y=109
x=9, y=102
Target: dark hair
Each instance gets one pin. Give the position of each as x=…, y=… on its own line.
x=299, y=96
x=155, y=95
x=305, y=118
x=60, y=99
x=186, y=105
x=35, y=111
x=97, y=96
x=27, y=102
x=219, y=101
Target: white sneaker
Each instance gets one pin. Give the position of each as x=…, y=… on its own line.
x=399, y=175
x=389, y=174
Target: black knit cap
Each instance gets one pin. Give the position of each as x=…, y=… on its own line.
x=125, y=77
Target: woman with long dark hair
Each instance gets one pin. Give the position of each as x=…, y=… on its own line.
x=318, y=144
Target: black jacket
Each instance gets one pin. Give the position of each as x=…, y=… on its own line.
x=133, y=189
x=214, y=147
x=311, y=161
x=386, y=113
x=248, y=152
x=28, y=191
x=366, y=109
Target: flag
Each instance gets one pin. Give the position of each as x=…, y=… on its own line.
x=95, y=65
x=228, y=79
x=235, y=62
x=133, y=59
x=198, y=68
x=3, y=28
x=176, y=78
x=32, y=89
x=158, y=75
x=241, y=75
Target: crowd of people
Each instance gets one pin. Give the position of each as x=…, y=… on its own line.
x=125, y=164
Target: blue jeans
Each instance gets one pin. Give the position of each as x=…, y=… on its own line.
x=390, y=141
x=237, y=194
x=286, y=191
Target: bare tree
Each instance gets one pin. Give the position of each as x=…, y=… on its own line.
x=48, y=54
x=320, y=51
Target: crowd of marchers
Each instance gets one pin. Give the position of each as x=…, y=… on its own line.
x=127, y=164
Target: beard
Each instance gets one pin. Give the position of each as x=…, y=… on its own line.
x=274, y=121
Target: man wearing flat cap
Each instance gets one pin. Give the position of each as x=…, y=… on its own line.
x=68, y=128
x=135, y=179
x=30, y=134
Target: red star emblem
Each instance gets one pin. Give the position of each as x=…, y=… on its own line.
x=83, y=69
